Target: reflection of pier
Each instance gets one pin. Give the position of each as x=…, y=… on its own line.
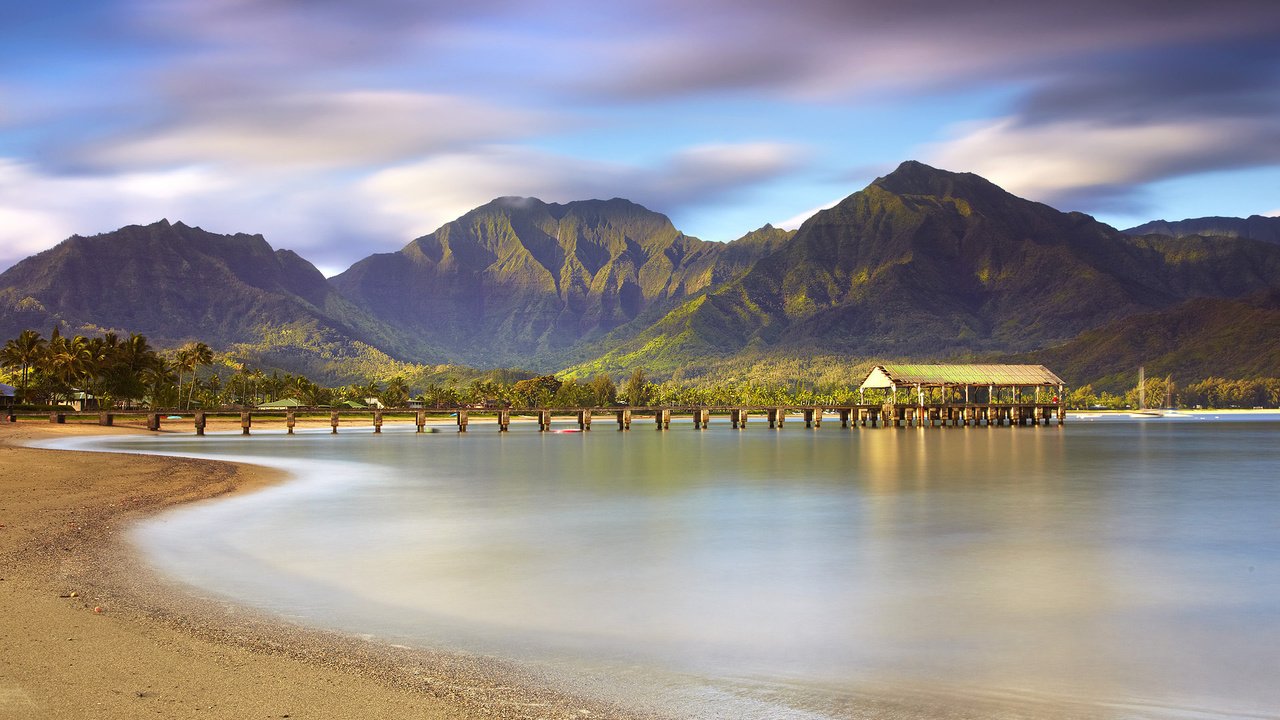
x=921, y=396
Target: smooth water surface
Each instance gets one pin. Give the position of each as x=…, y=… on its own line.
x=1128, y=568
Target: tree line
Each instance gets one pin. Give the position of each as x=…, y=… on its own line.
x=129, y=372
x=1214, y=392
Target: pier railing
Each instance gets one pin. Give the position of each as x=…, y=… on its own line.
x=942, y=415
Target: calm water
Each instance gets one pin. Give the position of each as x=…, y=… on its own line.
x=1123, y=569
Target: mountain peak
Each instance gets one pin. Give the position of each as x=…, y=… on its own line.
x=915, y=178
x=517, y=202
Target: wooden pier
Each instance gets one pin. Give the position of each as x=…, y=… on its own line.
x=849, y=417
x=936, y=396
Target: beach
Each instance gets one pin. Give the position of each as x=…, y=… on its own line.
x=88, y=630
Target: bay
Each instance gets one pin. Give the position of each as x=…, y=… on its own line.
x=1126, y=568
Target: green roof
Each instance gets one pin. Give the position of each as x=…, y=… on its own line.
x=281, y=403
x=883, y=376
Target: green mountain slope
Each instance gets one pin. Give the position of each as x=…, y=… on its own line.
x=175, y=283
x=928, y=263
x=923, y=263
x=1254, y=227
x=519, y=281
x=1205, y=337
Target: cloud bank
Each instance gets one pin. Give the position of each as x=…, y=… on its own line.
x=339, y=129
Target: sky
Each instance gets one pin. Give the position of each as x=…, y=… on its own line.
x=340, y=129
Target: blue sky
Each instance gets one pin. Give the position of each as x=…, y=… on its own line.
x=339, y=129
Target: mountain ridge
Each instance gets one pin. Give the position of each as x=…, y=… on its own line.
x=519, y=278
x=922, y=263
x=1254, y=227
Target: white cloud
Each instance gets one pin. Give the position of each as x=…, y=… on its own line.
x=333, y=220
x=319, y=130
x=427, y=194
x=1074, y=159
x=37, y=211
x=795, y=221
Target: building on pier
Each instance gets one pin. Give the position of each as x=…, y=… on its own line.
x=990, y=384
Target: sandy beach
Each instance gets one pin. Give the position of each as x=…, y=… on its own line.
x=89, y=631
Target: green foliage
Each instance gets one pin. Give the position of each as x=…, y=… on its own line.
x=638, y=390
x=538, y=392
x=1218, y=392
x=104, y=368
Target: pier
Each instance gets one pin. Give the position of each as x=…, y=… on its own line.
x=848, y=417
x=905, y=396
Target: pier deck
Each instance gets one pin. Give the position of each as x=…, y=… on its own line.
x=891, y=415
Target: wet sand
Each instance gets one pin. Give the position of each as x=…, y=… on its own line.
x=89, y=631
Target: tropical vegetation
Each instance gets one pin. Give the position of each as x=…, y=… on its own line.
x=108, y=371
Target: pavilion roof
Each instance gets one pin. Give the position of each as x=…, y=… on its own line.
x=883, y=376
x=282, y=403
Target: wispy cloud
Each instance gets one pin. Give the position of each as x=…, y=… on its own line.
x=332, y=223
x=341, y=129
x=429, y=193
x=834, y=47
x=1071, y=162
x=376, y=121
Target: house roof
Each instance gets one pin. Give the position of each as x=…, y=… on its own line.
x=281, y=403
x=883, y=376
x=6, y=390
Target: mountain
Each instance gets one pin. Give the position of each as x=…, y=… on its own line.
x=921, y=264
x=1254, y=227
x=173, y=283
x=518, y=280
x=932, y=264
x=1213, y=337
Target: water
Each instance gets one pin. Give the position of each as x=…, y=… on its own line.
x=1130, y=568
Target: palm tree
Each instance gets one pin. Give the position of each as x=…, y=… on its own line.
x=132, y=358
x=101, y=356
x=159, y=379
x=189, y=358
x=24, y=352
x=396, y=393
x=69, y=362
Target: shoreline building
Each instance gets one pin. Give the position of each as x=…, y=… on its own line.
x=990, y=394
